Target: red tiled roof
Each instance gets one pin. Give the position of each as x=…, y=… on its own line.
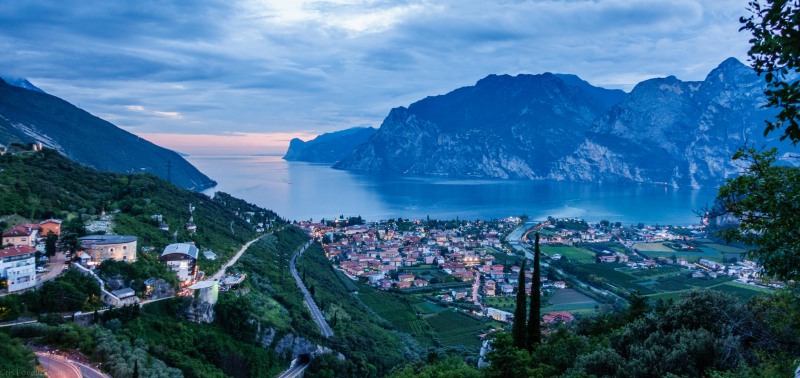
x=16, y=251
x=21, y=230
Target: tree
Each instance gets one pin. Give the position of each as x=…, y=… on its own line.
x=50, y=244
x=534, y=327
x=519, y=312
x=765, y=199
x=775, y=52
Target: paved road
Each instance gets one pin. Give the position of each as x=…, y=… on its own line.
x=60, y=367
x=221, y=271
x=54, y=267
x=476, y=298
x=295, y=371
x=324, y=328
x=57, y=367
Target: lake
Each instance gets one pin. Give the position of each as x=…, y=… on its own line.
x=302, y=191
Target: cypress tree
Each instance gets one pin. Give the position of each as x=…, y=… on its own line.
x=534, y=327
x=519, y=312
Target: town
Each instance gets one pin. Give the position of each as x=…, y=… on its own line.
x=475, y=265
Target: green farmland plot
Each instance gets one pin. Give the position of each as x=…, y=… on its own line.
x=426, y=308
x=741, y=290
x=452, y=329
x=570, y=300
x=572, y=253
x=398, y=311
x=609, y=273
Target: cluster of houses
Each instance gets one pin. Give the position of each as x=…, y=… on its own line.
x=18, y=253
x=381, y=255
x=378, y=253
x=22, y=242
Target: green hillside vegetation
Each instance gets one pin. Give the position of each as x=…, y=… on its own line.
x=45, y=184
x=16, y=358
x=269, y=288
x=701, y=334
x=369, y=344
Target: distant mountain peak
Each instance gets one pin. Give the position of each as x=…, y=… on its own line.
x=21, y=83
x=328, y=147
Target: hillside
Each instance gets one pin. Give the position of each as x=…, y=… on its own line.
x=46, y=184
x=558, y=127
x=29, y=116
x=328, y=147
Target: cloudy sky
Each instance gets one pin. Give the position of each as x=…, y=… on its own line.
x=247, y=76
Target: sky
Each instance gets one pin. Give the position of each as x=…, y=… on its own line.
x=245, y=77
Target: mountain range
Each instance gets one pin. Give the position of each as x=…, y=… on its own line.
x=28, y=114
x=559, y=127
x=329, y=147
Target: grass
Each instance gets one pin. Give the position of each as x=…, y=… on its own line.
x=572, y=253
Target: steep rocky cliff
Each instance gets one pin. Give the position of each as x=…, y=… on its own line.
x=329, y=147
x=507, y=127
x=561, y=128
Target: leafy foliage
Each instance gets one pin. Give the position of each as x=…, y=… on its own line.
x=17, y=360
x=69, y=292
x=704, y=333
x=775, y=51
x=767, y=200
x=134, y=274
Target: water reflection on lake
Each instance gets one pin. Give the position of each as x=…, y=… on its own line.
x=300, y=191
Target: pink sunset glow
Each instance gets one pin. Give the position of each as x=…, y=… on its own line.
x=230, y=143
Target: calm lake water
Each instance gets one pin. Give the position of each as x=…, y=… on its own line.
x=301, y=191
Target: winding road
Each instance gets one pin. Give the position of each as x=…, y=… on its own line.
x=233, y=260
x=60, y=367
x=324, y=328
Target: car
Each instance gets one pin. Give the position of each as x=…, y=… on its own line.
x=66, y=267
x=40, y=269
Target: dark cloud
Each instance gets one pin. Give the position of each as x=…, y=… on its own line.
x=246, y=66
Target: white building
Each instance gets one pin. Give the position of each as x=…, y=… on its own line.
x=182, y=258
x=18, y=266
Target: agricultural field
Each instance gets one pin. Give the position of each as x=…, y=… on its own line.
x=724, y=248
x=569, y=300
x=653, y=247
x=741, y=290
x=500, y=303
x=397, y=309
x=452, y=329
x=706, y=250
x=609, y=272
x=573, y=253
x=426, y=308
